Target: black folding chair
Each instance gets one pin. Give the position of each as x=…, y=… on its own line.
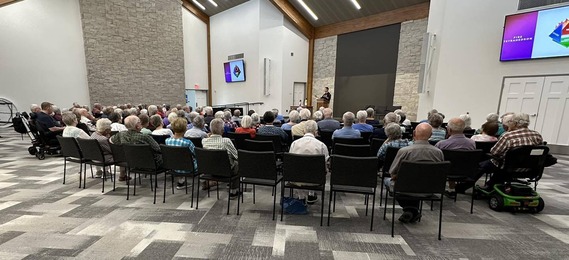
x=179, y=161
x=258, y=168
x=353, y=175
x=259, y=146
x=464, y=167
x=119, y=157
x=289, y=140
x=366, y=136
x=93, y=154
x=326, y=138
x=304, y=168
x=376, y=143
x=420, y=181
x=160, y=139
x=140, y=159
x=342, y=140
x=197, y=141
x=352, y=150
x=389, y=157
x=214, y=165
x=72, y=153
x=238, y=139
x=276, y=139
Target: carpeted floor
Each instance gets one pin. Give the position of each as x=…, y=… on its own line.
x=41, y=218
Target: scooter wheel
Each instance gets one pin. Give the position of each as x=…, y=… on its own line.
x=540, y=206
x=40, y=155
x=32, y=150
x=496, y=203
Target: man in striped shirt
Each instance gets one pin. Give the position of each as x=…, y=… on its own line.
x=518, y=135
x=216, y=141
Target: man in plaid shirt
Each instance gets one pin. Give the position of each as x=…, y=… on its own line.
x=518, y=135
x=134, y=136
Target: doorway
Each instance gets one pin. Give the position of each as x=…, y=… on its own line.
x=196, y=98
x=299, y=93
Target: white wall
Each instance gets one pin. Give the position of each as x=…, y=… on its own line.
x=42, y=57
x=466, y=74
x=259, y=30
x=195, y=51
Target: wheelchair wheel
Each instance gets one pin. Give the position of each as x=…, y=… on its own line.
x=40, y=155
x=496, y=202
x=32, y=150
x=540, y=206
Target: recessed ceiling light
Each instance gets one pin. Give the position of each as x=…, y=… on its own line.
x=198, y=4
x=356, y=4
x=213, y=3
x=308, y=9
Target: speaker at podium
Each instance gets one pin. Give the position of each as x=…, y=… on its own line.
x=320, y=102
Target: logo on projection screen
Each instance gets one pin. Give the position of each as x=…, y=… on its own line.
x=236, y=71
x=561, y=33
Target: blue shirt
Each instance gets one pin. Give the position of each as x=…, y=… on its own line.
x=328, y=124
x=438, y=134
x=286, y=127
x=184, y=143
x=346, y=132
x=363, y=127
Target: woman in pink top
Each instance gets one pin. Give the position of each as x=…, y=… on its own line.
x=489, y=130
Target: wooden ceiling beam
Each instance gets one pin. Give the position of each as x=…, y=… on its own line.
x=295, y=17
x=400, y=15
x=7, y=2
x=195, y=10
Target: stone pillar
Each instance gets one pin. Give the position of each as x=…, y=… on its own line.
x=324, y=67
x=134, y=51
x=408, y=65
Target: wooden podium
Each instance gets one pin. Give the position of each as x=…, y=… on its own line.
x=322, y=103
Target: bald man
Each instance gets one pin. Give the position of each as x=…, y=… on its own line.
x=457, y=140
x=420, y=150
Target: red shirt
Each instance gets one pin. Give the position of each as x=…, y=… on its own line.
x=250, y=131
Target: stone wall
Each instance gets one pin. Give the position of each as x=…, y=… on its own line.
x=134, y=51
x=324, y=73
x=407, y=78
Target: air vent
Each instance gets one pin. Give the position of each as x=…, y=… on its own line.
x=528, y=4
x=235, y=56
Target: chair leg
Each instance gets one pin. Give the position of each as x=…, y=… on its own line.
x=329, y=205
x=197, y=195
x=134, y=189
x=238, y=194
x=151, y=184
x=322, y=207
x=441, y=216
x=367, y=203
x=115, y=178
x=228, y=197
x=282, y=197
x=92, y=175
x=431, y=205
x=385, y=204
x=164, y=200
x=253, y=193
x=186, y=182
x=172, y=181
x=128, y=184
x=85, y=175
x=334, y=206
x=372, y=210
x=80, y=174
x=64, y=169
x=208, y=187
x=193, y=185
x=243, y=188
x=472, y=199
x=217, y=189
x=155, y=185
x=104, y=178
x=393, y=217
x=274, y=200
x=381, y=192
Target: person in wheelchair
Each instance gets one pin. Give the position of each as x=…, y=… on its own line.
x=518, y=134
x=46, y=124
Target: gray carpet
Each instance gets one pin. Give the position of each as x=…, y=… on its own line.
x=41, y=218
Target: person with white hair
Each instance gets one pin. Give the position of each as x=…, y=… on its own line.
x=298, y=129
x=156, y=121
x=256, y=120
x=179, y=127
x=171, y=117
x=388, y=118
x=246, y=127
x=293, y=119
x=102, y=134
x=370, y=120
x=432, y=111
x=394, y=139
x=328, y=124
x=208, y=114
x=134, y=136
x=361, y=125
x=71, y=129
x=236, y=116
x=197, y=127
x=403, y=117
x=152, y=110
x=347, y=131
x=467, y=121
x=308, y=144
x=317, y=116
x=228, y=124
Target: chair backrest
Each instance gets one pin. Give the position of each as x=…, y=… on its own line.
x=469, y=132
x=433, y=142
x=238, y=139
x=259, y=146
x=118, y=153
x=463, y=162
x=139, y=156
x=289, y=134
x=361, y=150
x=422, y=177
x=69, y=147
x=260, y=165
x=296, y=137
x=326, y=138
x=197, y=141
x=213, y=162
x=485, y=146
x=366, y=136
x=354, y=171
x=376, y=143
x=276, y=139
x=91, y=149
x=177, y=158
x=160, y=139
x=342, y=140
x=526, y=161
x=389, y=157
x=304, y=168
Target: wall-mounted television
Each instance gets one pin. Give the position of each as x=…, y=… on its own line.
x=234, y=71
x=536, y=35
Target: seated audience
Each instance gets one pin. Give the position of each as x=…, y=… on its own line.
x=347, y=131
x=293, y=119
x=102, y=134
x=370, y=120
x=388, y=118
x=278, y=116
x=218, y=142
x=156, y=121
x=145, y=121
x=251, y=112
x=246, y=127
x=505, y=118
x=467, y=121
x=298, y=129
x=309, y=145
x=328, y=124
x=171, y=117
x=256, y=121
x=456, y=139
x=46, y=124
x=71, y=130
x=134, y=136
x=361, y=125
x=403, y=117
x=179, y=126
x=439, y=133
x=269, y=128
x=317, y=116
x=420, y=150
x=489, y=131
x=80, y=124
x=433, y=111
x=57, y=115
x=197, y=130
x=208, y=114
x=394, y=139
x=116, y=125
x=236, y=116
x=228, y=124
x=152, y=110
